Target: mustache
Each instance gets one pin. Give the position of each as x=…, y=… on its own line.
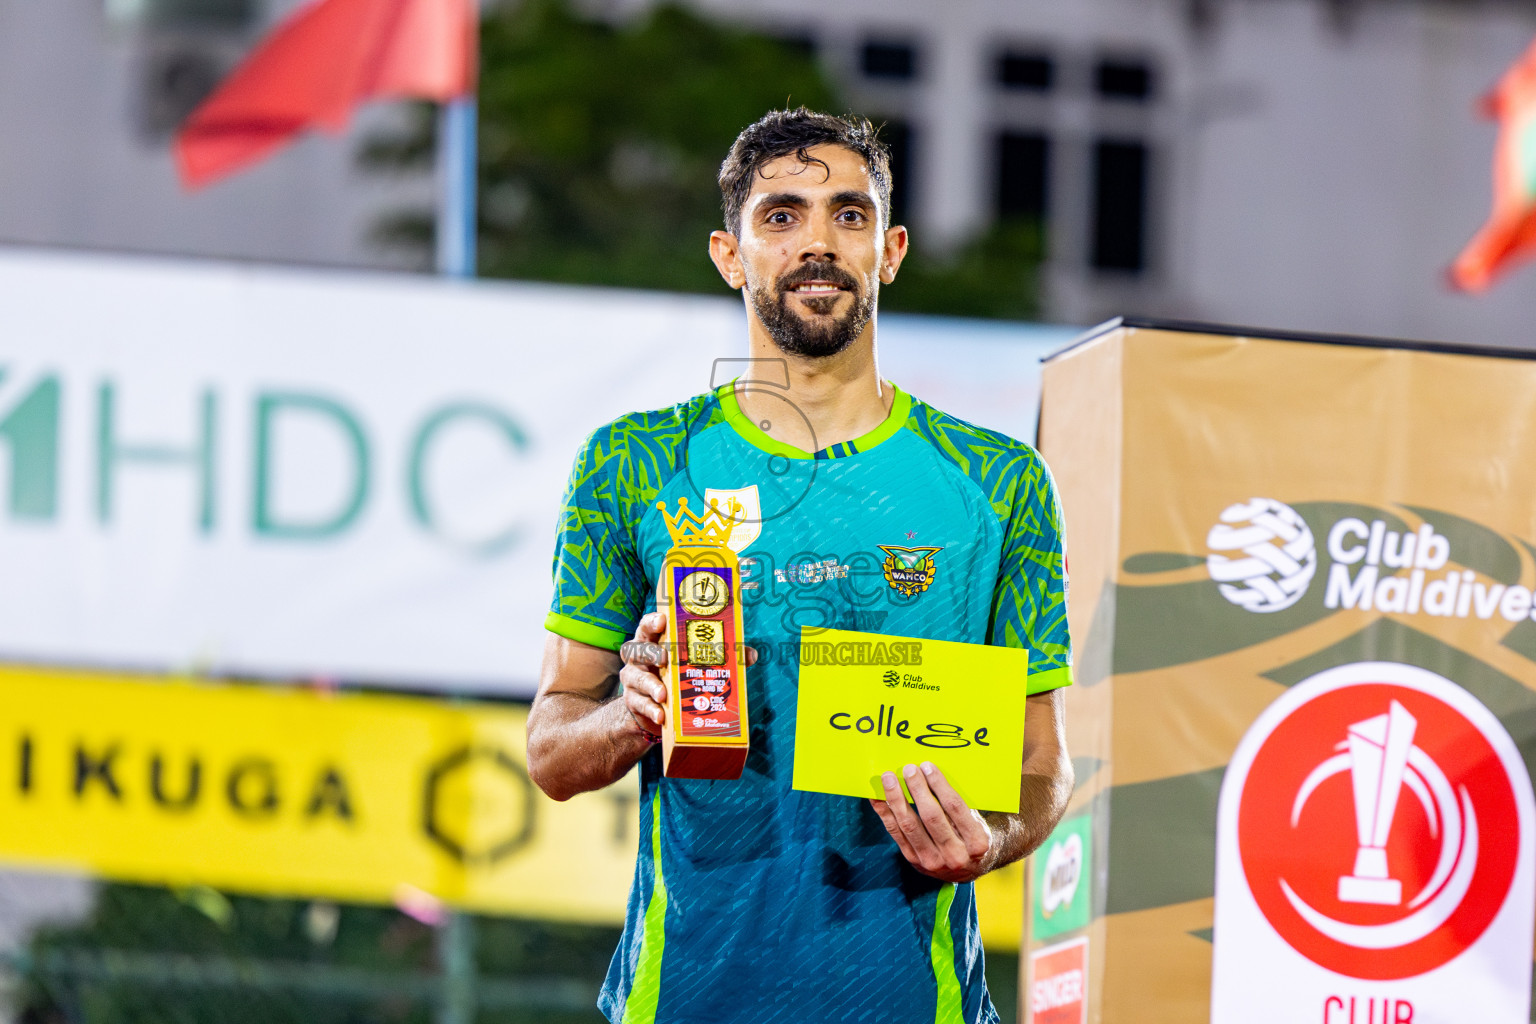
x=806, y=272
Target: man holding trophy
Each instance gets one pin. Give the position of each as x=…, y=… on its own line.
x=807, y=495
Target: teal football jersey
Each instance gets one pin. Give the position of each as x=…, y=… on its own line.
x=752, y=901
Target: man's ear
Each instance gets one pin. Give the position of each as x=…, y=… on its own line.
x=895, y=252
x=723, y=250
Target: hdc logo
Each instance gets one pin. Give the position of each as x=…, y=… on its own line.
x=1375, y=826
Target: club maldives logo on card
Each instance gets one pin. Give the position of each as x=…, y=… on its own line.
x=1374, y=857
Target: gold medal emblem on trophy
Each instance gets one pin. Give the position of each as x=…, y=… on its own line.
x=706, y=732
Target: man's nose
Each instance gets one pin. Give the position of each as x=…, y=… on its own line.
x=818, y=247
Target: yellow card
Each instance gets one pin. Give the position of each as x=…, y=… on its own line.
x=871, y=704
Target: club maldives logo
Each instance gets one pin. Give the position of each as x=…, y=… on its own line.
x=1378, y=815
x=1262, y=555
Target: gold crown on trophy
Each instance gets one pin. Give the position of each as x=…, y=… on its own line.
x=712, y=529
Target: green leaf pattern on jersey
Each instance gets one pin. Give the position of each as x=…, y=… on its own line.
x=599, y=581
x=1029, y=602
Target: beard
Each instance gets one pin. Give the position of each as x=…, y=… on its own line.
x=820, y=334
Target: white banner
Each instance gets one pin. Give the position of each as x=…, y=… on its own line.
x=296, y=475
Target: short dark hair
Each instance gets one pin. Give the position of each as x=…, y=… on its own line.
x=782, y=132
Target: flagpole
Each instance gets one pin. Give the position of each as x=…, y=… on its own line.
x=458, y=167
x=457, y=162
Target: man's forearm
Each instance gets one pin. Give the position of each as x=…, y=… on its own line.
x=1042, y=801
x=577, y=744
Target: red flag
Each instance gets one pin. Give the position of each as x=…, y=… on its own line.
x=1509, y=237
x=319, y=64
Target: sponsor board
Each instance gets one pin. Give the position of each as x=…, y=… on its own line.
x=1251, y=514
x=1062, y=880
x=1058, y=988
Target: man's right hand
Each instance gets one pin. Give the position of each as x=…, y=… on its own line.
x=585, y=732
x=645, y=657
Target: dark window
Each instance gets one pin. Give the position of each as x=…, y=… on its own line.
x=1023, y=169
x=1025, y=71
x=1119, y=206
x=231, y=13
x=174, y=81
x=897, y=136
x=1124, y=80
x=889, y=60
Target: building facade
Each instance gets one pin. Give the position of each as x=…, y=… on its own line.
x=91, y=92
x=1294, y=164
x=1287, y=163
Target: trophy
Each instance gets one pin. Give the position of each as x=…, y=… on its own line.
x=1378, y=750
x=705, y=735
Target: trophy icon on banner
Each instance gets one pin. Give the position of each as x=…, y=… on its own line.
x=1378, y=750
x=706, y=733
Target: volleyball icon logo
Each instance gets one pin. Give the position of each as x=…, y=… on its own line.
x=1262, y=556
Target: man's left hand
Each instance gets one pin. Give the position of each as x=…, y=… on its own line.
x=941, y=836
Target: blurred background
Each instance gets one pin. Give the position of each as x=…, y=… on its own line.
x=1307, y=164
x=1290, y=164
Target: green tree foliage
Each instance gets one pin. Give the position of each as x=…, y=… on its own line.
x=599, y=146
x=994, y=276
x=599, y=143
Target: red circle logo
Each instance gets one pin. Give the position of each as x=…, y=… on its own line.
x=1377, y=826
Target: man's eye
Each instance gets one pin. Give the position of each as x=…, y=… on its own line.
x=852, y=216
x=778, y=217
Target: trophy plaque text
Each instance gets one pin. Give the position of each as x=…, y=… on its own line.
x=705, y=735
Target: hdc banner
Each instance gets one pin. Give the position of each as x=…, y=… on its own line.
x=1306, y=710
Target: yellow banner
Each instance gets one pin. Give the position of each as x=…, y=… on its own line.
x=351, y=797
x=348, y=797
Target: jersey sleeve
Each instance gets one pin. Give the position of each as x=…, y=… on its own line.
x=1029, y=605
x=599, y=583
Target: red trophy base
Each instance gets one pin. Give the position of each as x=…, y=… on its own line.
x=680, y=760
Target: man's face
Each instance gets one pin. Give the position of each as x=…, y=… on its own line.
x=812, y=249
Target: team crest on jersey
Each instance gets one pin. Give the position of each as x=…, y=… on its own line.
x=909, y=571
x=749, y=517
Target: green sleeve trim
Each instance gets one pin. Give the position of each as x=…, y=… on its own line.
x=584, y=632
x=1050, y=679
